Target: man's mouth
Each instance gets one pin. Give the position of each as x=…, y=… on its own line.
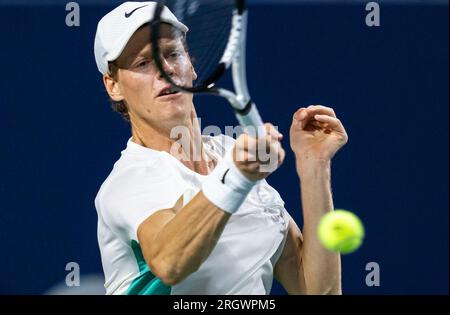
x=168, y=91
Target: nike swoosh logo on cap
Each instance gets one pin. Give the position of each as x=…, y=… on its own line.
x=127, y=15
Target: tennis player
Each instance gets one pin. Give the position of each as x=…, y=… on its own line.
x=172, y=224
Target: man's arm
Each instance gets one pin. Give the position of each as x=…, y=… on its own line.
x=316, y=136
x=289, y=269
x=322, y=268
x=305, y=266
x=174, y=244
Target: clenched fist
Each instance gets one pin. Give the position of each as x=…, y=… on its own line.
x=257, y=158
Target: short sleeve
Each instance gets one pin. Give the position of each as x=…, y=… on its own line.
x=135, y=194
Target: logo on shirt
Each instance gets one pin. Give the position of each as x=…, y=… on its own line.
x=225, y=175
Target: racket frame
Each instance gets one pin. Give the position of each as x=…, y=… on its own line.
x=234, y=56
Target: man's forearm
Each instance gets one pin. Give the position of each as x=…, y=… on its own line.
x=188, y=239
x=322, y=268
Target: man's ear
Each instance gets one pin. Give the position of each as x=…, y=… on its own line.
x=113, y=88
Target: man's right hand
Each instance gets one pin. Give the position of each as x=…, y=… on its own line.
x=257, y=158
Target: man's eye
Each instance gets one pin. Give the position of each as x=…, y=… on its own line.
x=175, y=54
x=143, y=63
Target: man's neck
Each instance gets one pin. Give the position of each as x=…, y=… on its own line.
x=188, y=148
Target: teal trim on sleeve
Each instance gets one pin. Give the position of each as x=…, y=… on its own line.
x=146, y=283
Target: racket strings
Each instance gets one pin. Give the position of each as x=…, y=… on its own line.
x=211, y=52
x=210, y=24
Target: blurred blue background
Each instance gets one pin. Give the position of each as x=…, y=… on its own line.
x=388, y=84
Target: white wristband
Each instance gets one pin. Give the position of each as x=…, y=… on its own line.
x=226, y=187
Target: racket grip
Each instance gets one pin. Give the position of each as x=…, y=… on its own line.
x=251, y=121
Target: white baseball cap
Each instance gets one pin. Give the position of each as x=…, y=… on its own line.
x=117, y=27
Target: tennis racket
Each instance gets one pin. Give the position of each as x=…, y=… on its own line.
x=216, y=41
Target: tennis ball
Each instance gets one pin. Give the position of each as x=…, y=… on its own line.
x=341, y=231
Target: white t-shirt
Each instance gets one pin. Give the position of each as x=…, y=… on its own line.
x=145, y=181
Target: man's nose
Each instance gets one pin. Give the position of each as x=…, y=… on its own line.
x=167, y=67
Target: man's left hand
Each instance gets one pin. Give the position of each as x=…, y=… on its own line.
x=317, y=134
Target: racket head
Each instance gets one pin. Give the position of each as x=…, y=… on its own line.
x=210, y=44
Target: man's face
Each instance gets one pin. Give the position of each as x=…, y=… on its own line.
x=142, y=86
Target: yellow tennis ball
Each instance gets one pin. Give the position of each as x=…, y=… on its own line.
x=341, y=231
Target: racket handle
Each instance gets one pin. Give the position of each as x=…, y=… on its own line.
x=251, y=121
